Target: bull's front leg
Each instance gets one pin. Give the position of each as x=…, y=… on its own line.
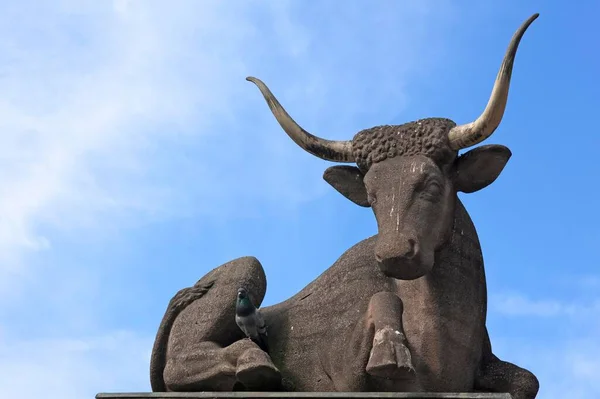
x=390, y=357
x=496, y=375
x=373, y=355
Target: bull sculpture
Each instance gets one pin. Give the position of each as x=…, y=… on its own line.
x=404, y=310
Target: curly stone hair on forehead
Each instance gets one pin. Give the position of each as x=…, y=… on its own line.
x=425, y=137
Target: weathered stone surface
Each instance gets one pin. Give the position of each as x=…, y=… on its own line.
x=402, y=311
x=303, y=395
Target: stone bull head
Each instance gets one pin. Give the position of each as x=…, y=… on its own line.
x=409, y=174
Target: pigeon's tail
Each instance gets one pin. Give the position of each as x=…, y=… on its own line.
x=262, y=342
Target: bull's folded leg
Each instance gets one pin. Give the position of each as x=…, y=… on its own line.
x=199, y=345
x=390, y=357
x=501, y=376
x=256, y=372
x=207, y=366
x=496, y=375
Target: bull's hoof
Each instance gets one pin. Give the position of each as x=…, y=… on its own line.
x=390, y=358
x=256, y=372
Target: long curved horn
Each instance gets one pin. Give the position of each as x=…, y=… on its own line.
x=337, y=151
x=464, y=136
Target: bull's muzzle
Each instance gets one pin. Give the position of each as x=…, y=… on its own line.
x=402, y=259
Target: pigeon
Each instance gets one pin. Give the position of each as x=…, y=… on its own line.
x=250, y=321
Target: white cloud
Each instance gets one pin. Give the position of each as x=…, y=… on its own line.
x=565, y=368
x=519, y=305
x=107, y=108
x=565, y=355
x=515, y=304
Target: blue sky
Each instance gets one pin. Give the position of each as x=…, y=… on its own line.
x=136, y=158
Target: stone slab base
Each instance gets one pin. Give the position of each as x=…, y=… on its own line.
x=303, y=395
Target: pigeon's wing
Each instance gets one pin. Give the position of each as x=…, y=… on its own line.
x=261, y=326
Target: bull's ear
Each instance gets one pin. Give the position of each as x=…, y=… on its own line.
x=348, y=181
x=478, y=168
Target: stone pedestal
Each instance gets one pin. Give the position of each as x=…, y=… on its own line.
x=302, y=395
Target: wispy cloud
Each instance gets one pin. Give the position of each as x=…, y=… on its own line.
x=82, y=89
x=565, y=368
x=516, y=304
x=566, y=361
x=113, y=113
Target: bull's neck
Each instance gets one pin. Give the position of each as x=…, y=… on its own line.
x=463, y=241
x=460, y=258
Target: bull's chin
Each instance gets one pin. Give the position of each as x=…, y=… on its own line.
x=404, y=269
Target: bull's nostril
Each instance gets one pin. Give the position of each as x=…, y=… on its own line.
x=412, y=245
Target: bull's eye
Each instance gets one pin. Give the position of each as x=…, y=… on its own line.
x=432, y=190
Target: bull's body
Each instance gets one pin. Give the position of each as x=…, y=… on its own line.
x=320, y=338
x=404, y=310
